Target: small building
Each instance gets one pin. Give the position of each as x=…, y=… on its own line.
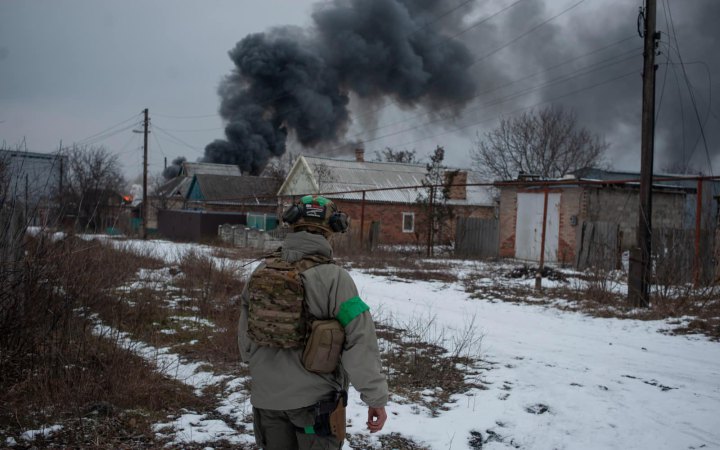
x=172, y=194
x=381, y=198
x=591, y=200
x=33, y=181
x=192, y=205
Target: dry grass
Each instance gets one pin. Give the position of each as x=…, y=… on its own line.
x=55, y=369
x=420, y=370
x=597, y=293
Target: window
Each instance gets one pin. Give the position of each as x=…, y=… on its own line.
x=408, y=222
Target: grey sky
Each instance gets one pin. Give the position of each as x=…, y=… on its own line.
x=70, y=69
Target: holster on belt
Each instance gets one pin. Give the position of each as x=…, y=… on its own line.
x=337, y=416
x=330, y=416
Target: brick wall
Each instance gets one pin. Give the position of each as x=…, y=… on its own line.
x=570, y=205
x=508, y=217
x=390, y=216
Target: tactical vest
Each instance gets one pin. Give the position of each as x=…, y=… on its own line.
x=277, y=314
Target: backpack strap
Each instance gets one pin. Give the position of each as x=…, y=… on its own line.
x=310, y=261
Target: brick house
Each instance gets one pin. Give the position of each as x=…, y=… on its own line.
x=396, y=212
x=598, y=196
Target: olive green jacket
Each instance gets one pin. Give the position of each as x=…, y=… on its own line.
x=279, y=380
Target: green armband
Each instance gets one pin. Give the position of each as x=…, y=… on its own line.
x=350, y=310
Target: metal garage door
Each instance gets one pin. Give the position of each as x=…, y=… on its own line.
x=528, y=228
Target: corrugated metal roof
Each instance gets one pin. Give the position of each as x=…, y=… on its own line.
x=245, y=189
x=334, y=175
x=177, y=186
x=681, y=181
x=198, y=168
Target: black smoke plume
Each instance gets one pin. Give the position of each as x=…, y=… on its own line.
x=174, y=168
x=292, y=81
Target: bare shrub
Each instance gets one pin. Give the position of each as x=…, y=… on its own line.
x=213, y=286
x=420, y=368
x=54, y=367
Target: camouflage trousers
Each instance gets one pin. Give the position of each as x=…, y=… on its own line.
x=284, y=430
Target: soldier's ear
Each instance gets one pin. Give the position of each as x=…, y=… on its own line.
x=292, y=214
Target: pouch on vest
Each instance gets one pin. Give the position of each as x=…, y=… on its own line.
x=324, y=346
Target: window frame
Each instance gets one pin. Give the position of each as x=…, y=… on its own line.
x=412, y=227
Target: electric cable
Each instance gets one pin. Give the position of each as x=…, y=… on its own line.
x=108, y=129
x=176, y=139
x=496, y=50
x=690, y=91
x=517, y=110
x=578, y=73
x=105, y=136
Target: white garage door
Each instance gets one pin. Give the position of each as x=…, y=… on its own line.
x=528, y=228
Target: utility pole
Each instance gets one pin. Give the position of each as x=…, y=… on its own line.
x=641, y=270
x=146, y=123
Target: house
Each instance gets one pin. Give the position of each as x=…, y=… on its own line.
x=248, y=194
x=32, y=180
x=588, y=201
x=384, y=195
x=172, y=194
x=192, y=205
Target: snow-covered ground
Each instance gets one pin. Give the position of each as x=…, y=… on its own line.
x=563, y=380
x=555, y=379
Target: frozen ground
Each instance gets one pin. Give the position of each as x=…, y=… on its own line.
x=555, y=379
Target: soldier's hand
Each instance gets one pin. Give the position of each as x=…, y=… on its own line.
x=376, y=419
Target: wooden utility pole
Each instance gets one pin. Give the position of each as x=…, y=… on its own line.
x=146, y=123
x=640, y=273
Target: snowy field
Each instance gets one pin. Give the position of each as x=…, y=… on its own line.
x=554, y=379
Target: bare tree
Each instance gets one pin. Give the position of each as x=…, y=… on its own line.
x=398, y=156
x=548, y=143
x=94, y=185
x=434, y=201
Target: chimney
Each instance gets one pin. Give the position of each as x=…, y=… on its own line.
x=360, y=154
x=457, y=177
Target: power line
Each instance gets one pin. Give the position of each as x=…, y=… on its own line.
x=563, y=78
x=175, y=139
x=105, y=136
x=517, y=110
x=194, y=130
x=492, y=52
x=690, y=90
x=441, y=16
x=185, y=117
x=108, y=129
x=528, y=32
x=577, y=73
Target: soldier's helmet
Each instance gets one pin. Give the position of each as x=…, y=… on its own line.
x=316, y=213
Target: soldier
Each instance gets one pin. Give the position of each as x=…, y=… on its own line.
x=306, y=334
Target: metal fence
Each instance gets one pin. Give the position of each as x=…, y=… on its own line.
x=477, y=238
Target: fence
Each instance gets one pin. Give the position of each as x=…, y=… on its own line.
x=674, y=256
x=194, y=225
x=476, y=237
x=599, y=246
x=242, y=236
